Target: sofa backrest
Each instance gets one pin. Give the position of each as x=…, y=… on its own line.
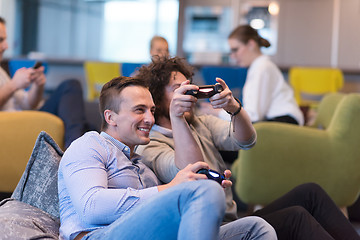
x=344, y=125
x=326, y=109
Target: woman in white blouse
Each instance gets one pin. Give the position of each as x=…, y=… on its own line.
x=266, y=94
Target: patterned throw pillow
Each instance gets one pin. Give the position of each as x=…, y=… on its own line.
x=38, y=184
x=20, y=220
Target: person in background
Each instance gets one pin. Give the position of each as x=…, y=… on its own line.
x=266, y=95
x=66, y=101
x=159, y=47
x=306, y=212
x=107, y=192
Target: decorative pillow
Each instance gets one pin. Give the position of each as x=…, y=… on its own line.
x=38, y=184
x=20, y=220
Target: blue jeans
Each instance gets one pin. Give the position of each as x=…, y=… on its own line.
x=248, y=228
x=192, y=210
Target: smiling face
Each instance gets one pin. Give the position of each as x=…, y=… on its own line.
x=132, y=124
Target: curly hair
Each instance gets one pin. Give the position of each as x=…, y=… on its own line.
x=109, y=96
x=157, y=76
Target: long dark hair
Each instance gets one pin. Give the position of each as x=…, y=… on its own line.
x=244, y=33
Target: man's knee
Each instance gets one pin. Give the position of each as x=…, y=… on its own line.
x=310, y=189
x=297, y=214
x=251, y=227
x=263, y=228
x=209, y=190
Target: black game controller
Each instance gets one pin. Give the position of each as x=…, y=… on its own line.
x=205, y=91
x=212, y=174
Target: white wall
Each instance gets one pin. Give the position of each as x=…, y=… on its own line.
x=319, y=33
x=349, y=35
x=305, y=32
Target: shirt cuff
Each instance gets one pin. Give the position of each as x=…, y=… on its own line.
x=147, y=193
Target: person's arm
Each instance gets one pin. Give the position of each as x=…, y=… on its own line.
x=85, y=176
x=242, y=126
x=186, y=148
x=189, y=174
x=37, y=89
x=186, y=174
x=6, y=92
x=20, y=80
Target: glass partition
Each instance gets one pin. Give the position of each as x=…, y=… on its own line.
x=130, y=25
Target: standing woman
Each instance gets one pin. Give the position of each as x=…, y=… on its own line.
x=266, y=95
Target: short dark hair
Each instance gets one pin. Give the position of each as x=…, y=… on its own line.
x=2, y=20
x=157, y=75
x=109, y=96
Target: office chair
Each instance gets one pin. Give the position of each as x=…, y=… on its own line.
x=311, y=84
x=15, y=64
x=233, y=76
x=97, y=74
x=128, y=69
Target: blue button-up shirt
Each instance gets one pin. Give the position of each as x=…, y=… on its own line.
x=98, y=182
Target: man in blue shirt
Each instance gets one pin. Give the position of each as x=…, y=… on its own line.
x=105, y=191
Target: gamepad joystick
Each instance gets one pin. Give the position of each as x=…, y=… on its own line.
x=212, y=174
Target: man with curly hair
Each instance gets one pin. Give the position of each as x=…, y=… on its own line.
x=306, y=212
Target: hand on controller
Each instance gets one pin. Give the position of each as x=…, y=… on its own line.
x=206, y=91
x=212, y=174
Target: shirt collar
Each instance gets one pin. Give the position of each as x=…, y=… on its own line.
x=165, y=131
x=122, y=147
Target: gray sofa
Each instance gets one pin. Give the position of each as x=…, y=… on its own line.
x=32, y=212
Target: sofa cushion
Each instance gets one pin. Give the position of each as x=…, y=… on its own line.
x=20, y=220
x=38, y=184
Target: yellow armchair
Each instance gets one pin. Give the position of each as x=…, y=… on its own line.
x=19, y=131
x=287, y=155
